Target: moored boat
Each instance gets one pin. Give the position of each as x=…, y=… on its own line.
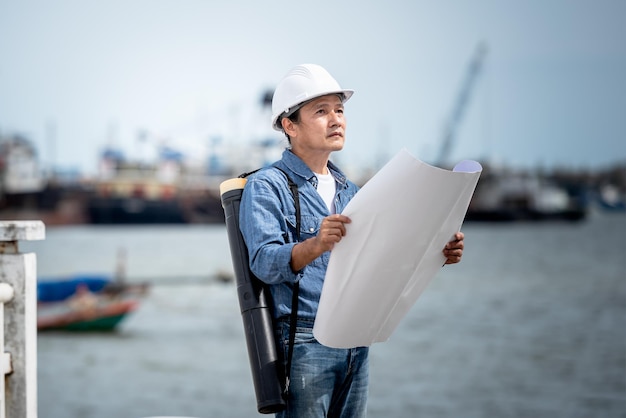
x=85, y=303
x=509, y=196
x=103, y=315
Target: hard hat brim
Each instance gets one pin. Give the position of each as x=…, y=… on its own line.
x=293, y=108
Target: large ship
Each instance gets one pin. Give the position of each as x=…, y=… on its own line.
x=165, y=192
x=515, y=196
x=21, y=179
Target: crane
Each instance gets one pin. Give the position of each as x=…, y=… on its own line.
x=453, y=122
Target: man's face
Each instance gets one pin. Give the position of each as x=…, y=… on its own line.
x=322, y=126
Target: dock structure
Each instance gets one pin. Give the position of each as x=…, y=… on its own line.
x=18, y=312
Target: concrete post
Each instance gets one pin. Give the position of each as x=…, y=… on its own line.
x=19, y=271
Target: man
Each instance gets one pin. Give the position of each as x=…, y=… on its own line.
x=308, y=106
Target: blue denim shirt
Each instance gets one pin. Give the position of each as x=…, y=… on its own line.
x=267, y=220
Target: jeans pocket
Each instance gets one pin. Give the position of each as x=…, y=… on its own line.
x=303, y=335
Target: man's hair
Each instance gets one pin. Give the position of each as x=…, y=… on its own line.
x=295, y=118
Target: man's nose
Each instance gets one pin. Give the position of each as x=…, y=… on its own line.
x=335, y=118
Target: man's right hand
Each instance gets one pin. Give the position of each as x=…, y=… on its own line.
x=332, y=230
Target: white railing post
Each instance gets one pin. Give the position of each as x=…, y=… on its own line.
x=18, y=310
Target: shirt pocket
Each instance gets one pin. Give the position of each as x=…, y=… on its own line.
x=309, y=226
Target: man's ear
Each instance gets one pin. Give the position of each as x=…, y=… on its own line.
x=288, y=126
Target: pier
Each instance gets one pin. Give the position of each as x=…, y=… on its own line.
x=18, y=310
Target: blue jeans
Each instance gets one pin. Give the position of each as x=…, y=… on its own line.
x=325, y=382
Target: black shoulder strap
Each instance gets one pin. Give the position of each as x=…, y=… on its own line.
x=296, y=199
x=293, y=319
x=244, y=175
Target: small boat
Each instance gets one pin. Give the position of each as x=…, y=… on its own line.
x=103, y=316
x=611, y=199
x=85, y=303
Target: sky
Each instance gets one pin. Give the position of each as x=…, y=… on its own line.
x=79, y=76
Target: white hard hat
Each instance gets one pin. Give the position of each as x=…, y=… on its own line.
x=301, y=84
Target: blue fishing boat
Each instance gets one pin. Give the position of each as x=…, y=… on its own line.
x=85, y=303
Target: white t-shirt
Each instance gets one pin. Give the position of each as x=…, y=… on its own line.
x=326, y=187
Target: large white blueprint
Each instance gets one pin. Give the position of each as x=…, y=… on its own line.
x=401, y=220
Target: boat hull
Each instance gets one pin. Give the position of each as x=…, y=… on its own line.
x=100, y=318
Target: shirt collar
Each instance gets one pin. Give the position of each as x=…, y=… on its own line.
x=297, y=166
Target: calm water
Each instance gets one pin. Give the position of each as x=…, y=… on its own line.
x=531, y=324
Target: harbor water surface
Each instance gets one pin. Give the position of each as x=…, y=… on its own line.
x=530, y=324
